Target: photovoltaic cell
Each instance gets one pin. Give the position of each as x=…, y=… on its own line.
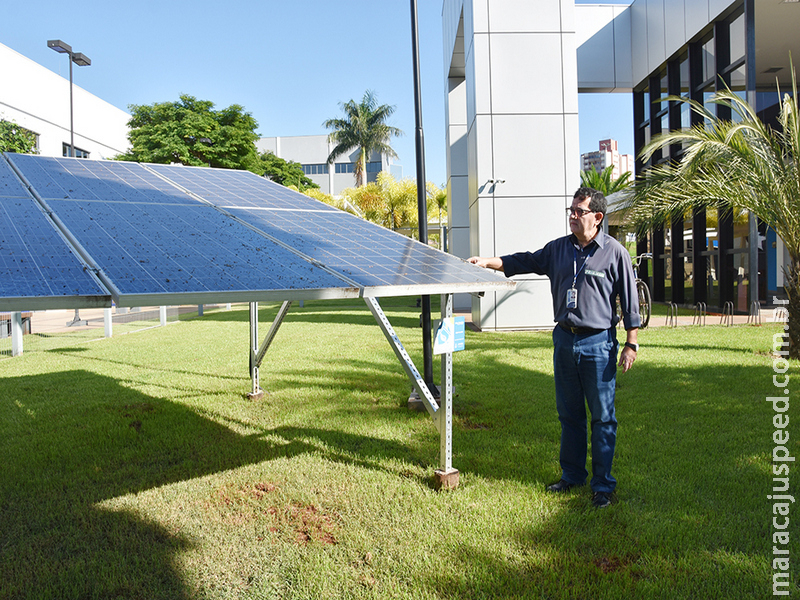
x=37, y=267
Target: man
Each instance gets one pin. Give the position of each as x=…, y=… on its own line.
x=588, y=270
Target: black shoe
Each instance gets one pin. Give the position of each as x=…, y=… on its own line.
x=559, y=486
x=602, y=499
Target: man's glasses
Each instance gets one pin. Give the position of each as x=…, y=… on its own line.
x=577, y=211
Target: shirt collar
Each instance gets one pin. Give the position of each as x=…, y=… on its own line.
x=599, y=239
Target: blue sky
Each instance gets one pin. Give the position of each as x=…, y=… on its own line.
x=290, y=64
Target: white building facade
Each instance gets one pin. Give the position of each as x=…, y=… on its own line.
x=38, y=100
x=312, y=152
x=514, y=69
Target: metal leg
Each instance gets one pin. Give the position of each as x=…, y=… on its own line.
x=257, y=353
x=405, y=360
x=446, y=476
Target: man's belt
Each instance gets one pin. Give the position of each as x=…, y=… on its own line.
x=577, y=330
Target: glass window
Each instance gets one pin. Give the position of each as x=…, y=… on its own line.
x=737, y=33
x=684, y=73
x=709, y=65
x=65, y=151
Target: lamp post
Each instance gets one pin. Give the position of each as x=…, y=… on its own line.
x=427, y=344
x=81, y=60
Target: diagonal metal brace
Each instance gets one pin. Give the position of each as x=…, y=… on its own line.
x=257, y=352
x=416, y=379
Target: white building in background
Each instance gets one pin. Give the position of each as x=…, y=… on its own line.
x=606, y=156
x=312, y=152
x=38, y=100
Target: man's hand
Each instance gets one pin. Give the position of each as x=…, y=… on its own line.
x=494, y=262
x=626, y=358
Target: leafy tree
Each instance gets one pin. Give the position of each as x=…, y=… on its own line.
x=282, y=171
x=191, y=132
x=741, y=164
x=602, y=181
x=393, y=204
x=363, y=127
x=387, y=202
x=15, y=138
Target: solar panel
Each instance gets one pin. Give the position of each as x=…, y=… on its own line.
x=156, y=244
x=225, y=187
x=382, y=261
x=37, y=267
x=162, y=234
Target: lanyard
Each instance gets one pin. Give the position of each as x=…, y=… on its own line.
x=575, y=270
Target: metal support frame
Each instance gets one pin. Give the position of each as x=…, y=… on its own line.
x=442, y=414
x=257, y=352
x=445, y=412
x=405, y=360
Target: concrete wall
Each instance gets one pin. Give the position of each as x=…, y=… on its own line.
x=660, y=28
x=38, y=99
x=512, y=127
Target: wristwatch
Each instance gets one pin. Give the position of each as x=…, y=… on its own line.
x=632, y=346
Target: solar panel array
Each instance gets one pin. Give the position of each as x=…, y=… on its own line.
x=37, y=267
x=160, y=234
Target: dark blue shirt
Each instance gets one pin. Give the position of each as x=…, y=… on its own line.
x=604, y=271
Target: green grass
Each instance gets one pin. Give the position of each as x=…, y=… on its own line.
x=135, y=467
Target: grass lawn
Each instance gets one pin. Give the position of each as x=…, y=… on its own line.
x=135, y=467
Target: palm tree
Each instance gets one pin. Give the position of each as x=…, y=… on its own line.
x=363, y=127
x=741, y=164
x=602, y=181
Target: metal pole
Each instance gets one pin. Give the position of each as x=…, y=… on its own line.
x=71, y=122
x=427, y=344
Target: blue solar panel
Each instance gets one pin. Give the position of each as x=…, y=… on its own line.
x=225, y=187
x=371, y=255
x=35, y=261
x=173, y=249
x=169, y=234
x=110, y=181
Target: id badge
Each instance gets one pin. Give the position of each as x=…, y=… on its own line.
x=572, y=298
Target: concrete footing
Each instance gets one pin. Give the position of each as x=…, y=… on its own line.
x=445, y=480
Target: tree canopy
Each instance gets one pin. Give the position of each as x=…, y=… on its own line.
x=288, y=173
x=389, y=202
x=364, y=128
x=192, y=132
x=15, y=138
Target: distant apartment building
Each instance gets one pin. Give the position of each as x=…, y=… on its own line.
x=606, y=156
x=312, y=152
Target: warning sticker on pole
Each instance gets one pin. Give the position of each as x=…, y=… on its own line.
x=449, y=336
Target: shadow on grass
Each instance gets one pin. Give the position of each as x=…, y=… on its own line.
x=101, y=440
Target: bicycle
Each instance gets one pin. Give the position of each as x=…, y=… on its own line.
x=642, y=291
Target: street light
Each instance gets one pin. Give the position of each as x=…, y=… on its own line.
x=81, y=60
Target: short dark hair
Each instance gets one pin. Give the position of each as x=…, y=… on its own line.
x=597, y=201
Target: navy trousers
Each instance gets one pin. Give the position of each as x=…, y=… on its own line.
x=585, y=374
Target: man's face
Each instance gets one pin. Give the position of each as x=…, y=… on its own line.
x=583, y=222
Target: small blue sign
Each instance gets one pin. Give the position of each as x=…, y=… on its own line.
x=449, y=336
